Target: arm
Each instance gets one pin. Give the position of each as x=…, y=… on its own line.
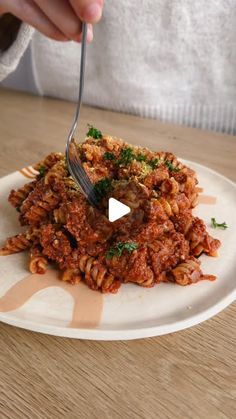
x=14, y=39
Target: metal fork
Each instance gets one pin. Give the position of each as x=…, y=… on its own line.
x=72, y=156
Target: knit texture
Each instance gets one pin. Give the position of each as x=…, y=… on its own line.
x=10, y=58
x=174, y=60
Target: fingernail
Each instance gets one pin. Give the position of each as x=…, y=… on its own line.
x=93, y=12
x=90, y=35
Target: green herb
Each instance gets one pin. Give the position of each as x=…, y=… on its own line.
x=141, y=157
x=18, y=209
x=109, y=156
x=42, y=171
x=119, y=247
x=94, y=132
x=214, y=224
x=102, y=187
x=126, y=156
x=153, y=163
x=171, y=167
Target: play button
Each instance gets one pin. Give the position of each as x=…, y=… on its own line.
x=116, y=210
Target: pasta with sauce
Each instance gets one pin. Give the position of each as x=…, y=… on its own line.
x=160, y=240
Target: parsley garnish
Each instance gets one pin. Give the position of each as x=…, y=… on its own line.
x=170, y=166
x=94, y=132
x=42, y=171
x=141, y=157
x=126, y=156
x=119, y=247
x=153, y=163
x=102, y=187
x=214, y=224
x=109, y=156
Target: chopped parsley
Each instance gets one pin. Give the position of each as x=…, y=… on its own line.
x=214, y=224
x=109, y=156
x=102, y=187
x=42, y=171
x=141, y=157
x=119, y=247
x=153, y=163
x=126, y=156
x=170, y=166
x=94, y=132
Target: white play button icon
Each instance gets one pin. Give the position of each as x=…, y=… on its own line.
x=116, y=209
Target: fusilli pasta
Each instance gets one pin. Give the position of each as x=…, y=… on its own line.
x=38, y=263
x=158, y=241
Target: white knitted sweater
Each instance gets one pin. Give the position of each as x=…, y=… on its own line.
x=174, y=60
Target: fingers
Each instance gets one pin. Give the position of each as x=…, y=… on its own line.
x=62, y=15
x=88, y=10
x=89, y=34
x=55, y=18
x=29, y=12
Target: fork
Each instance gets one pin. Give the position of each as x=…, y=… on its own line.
x=72, y=156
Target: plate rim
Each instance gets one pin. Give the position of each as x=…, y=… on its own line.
x=121, y=334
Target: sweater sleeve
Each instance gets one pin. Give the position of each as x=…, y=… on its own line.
x=10, y=58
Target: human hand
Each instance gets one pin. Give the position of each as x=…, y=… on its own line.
x=58, y=19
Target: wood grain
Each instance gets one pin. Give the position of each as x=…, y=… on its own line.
x=190, y=374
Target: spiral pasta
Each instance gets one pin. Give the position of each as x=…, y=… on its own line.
x=72, y=275
x=16, y=244
x=38, y=205
x=171, y=206
x=97, y=275
x=38, y=263
x=189, y=272
x=158, y=241
x=17, y=197
x=56, y=172
x=49, y=161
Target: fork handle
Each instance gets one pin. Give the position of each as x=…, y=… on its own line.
x=82, y=71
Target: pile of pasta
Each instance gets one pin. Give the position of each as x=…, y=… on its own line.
x=160, y=240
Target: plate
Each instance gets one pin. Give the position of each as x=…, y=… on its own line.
x=42, y=303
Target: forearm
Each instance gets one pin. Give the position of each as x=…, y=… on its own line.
x=12, y=45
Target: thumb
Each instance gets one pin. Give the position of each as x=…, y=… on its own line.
x=89, y=11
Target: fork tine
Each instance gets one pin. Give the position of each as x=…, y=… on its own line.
x=87, y=187
x=79, y=177
x=77, y=166
x=82, y=175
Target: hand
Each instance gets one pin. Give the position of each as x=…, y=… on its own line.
x=57, y=19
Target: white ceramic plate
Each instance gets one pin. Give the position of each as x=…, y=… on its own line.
x=134, y=312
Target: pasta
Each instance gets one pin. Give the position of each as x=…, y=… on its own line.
x=160, y=240
x=16, y=198
x=38, y=262
x=16, y=244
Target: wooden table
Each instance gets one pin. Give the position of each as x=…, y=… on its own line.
x=190, y=374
